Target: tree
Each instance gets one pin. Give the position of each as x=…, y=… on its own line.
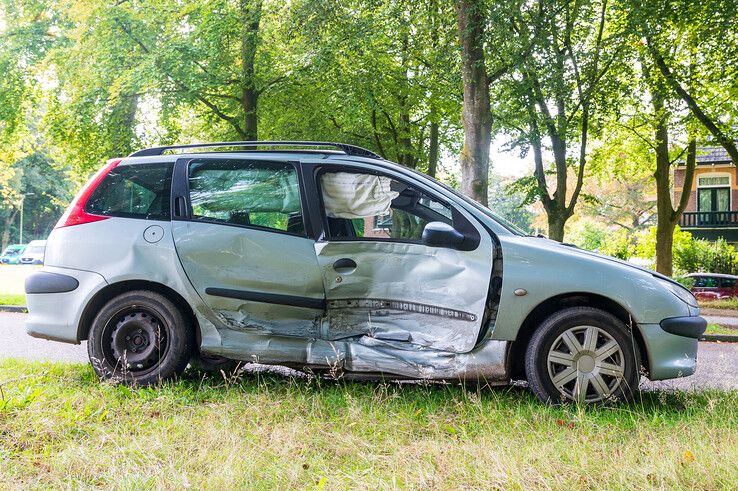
x=557, y=97
x=694, y=77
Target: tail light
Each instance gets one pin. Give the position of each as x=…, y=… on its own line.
x=76, y=214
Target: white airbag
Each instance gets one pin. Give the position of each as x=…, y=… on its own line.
x=350, y=195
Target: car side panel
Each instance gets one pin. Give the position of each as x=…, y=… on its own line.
x=546, y=269
x=118, y=250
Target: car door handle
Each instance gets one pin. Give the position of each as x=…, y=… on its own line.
x=344, y=265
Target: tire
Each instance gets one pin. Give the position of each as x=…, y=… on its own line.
x=582, y=355
x=140, y=337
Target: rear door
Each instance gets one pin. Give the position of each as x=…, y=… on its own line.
x=241, y=236
x=383, y=285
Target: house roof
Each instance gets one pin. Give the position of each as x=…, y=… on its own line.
x=710, y=155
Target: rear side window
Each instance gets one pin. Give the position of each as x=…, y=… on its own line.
x=727, y=282
x=134, y=191
x=247, y=193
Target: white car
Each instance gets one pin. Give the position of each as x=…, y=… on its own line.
x=34, y=252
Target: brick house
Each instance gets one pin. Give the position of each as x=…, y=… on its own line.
x=712, y=211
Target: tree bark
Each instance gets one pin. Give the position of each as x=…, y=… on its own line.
x=6, y=230
x=251, y=12
x=433, y=150
x=476, y=115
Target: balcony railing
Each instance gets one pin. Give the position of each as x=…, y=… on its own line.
x=696, y=219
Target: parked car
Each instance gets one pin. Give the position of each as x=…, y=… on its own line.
x=34, y=252
x=12, y=254
x=713, y=286
x=326, y=257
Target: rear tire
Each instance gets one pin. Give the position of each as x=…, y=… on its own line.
x=140, y=337
x=582, y=355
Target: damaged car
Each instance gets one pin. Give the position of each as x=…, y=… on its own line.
x=326, y=257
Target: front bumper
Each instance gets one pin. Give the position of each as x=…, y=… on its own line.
x=672, y=346
x=56, y=298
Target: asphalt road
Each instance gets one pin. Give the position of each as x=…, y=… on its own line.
x=717, y=365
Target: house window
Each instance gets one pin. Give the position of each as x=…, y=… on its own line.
x=713, y=199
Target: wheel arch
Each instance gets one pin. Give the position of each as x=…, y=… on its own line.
x=113, y=290
x=563, y=301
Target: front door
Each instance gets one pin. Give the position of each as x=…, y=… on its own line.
x=383, y=285
x=240, y=234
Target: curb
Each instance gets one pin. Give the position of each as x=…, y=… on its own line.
x=14, y=308
x=720, y=338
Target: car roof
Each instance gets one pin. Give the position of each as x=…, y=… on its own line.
x=714, y=275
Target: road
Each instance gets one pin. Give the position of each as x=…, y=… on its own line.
x=717, y=367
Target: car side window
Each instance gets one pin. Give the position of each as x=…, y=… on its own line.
x=370, y=206
x=249, y=193
x=710, y=282
x=727, y=282
x=134, y=191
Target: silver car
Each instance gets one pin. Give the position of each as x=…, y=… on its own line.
x=326, y=257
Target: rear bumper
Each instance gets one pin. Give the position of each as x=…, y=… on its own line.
x=55, y=304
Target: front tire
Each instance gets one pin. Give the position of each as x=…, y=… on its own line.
x=582, y=355
x=140, y=337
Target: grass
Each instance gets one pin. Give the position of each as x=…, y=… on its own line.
x=60, y=427
x=718, y=329
x=726, y=303
x=13, y=299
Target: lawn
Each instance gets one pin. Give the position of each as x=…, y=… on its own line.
x=718, y=329
x=60, y=427
x=12, y=283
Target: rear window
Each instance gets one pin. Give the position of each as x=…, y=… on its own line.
x=134, y=191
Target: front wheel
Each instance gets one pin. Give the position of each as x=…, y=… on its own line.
x=582, y=354
x=140, y=337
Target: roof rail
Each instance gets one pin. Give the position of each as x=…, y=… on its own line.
x=352, y=150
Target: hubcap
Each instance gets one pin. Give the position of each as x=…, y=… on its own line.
x=137, y=340
x=586, y=364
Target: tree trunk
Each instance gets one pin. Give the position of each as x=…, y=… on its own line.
x=556, y=223
x=6, y=230
x=433, y=150
x=665, y=222
x=251, y=12
x=476, y=115
x=124, y=118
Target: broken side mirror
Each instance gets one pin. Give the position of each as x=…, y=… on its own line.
x=439, y=234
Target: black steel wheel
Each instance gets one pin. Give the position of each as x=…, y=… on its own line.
x=140, y=337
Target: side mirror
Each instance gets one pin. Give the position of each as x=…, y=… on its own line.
x=439, y=234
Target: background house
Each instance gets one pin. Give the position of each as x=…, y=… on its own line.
x=712, y=211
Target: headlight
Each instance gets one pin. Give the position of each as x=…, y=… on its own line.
x=680, y=292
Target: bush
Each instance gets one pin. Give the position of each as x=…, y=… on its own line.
x=699, y=255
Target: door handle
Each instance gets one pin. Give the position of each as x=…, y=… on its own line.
x=344, y=266
x=179, y=207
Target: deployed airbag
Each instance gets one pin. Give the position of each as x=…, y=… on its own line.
x=350, y=195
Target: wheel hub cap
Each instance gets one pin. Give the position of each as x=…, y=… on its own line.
x=586, y=364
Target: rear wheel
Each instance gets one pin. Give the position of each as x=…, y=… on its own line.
x=140, y=337
x=584, y=355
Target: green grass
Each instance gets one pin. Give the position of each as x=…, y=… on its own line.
x=718, y=329
x=727, y=303
x=60, y=427
x=13, y=299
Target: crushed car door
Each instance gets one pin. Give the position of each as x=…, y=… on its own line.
x=241, y=237
x=383, y=283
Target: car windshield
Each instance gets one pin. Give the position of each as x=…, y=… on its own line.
x=35, y=250
x=12, y=251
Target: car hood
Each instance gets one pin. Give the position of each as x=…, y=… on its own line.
x=572, y=249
